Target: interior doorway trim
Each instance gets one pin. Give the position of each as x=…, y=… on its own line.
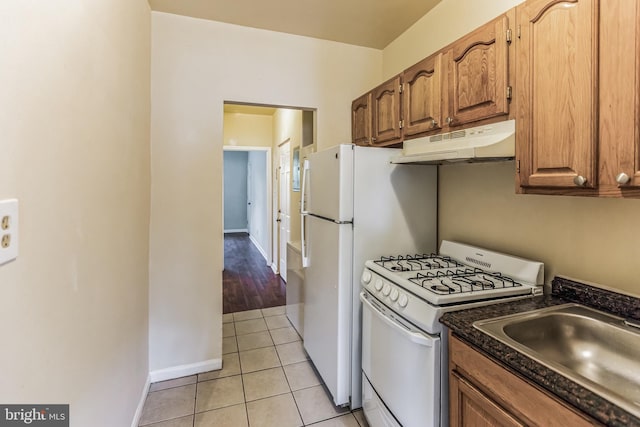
x=267, y=150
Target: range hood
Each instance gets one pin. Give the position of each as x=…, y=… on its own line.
x=479, y=144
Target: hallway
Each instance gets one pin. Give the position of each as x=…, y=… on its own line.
x=267, y=380
x=248, y=283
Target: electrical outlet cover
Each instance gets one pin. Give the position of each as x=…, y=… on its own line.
x=9, y=208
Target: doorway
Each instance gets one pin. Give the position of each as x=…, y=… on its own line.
x=288, y=132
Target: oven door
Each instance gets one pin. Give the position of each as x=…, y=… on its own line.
x=401, y=369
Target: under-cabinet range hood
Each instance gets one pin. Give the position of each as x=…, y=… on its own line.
x=479, y=144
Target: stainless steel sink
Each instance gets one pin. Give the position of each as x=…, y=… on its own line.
x=599, y=351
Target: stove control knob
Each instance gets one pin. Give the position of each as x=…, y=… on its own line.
x=378, y=285
x=366, y=276
x=386, y=289
x=394, y=294
x=403, y=301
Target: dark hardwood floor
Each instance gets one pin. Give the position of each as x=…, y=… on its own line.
x=247, y=282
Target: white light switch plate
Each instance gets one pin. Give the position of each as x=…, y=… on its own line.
x=8, y=230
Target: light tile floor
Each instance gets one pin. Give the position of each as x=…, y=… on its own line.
x=266, y=380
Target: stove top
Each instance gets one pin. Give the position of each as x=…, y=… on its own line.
x=454, y=275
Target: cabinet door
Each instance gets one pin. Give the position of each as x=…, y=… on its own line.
x=636, y=145
x=478, y=81
x=470, y=407
x=557, y=63
x=386, y=113
x=422, y=96
x=361, y=120
x=630, y=147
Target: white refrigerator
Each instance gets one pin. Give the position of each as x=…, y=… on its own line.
x=356, y=206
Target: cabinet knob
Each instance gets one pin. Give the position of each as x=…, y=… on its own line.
x=449, y=120
x=579, y=180
x=622, y=178
x=434, y=123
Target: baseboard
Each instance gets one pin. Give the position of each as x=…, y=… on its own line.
x=274, y=267
x=143, y=398
x=185, y=370
x=257, y=245
x=237, y=230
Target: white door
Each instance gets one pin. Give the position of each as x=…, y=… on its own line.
x=283, y=208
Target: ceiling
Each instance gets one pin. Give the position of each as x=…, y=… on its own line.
x=370, y=23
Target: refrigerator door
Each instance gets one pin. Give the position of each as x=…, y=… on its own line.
x=327, y=304
x=329, y=181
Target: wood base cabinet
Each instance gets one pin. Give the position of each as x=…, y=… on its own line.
x=483, y=393
x=578, y=108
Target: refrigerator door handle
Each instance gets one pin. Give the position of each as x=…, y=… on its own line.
x=303, y=244
x=303, y=214
x=305, y=172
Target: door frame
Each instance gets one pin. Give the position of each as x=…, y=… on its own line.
x=277, y=225
x=269, y=253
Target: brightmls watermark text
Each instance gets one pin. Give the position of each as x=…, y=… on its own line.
x=34, y=415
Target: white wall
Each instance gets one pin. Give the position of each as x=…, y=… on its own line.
x=74, y=132
x=196, y=66
x=259, y=211
x=586, y=238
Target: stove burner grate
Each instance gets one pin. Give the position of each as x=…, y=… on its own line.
x=417, y=262
x=459, y=281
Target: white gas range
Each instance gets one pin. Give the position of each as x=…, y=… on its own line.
x=404, y=347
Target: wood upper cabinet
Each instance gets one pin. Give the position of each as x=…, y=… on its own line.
x=422, y=96
x=385, y=111
x=361, y=120
x=478, y=74
x=484, y=393
x=462, y=85
x=619, y=131
x=557, y=70
x=578, y=114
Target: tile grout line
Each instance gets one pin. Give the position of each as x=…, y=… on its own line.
x=244, y=394
x=195, y=401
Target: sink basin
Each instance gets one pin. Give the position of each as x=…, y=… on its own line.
x=597, y=350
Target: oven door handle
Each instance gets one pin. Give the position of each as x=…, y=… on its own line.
x=415, y=337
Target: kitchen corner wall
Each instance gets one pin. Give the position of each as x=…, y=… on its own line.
x=196, y=66
x=585, y=238
x=74, y=133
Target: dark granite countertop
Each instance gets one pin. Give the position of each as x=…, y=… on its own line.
x=563, y=291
